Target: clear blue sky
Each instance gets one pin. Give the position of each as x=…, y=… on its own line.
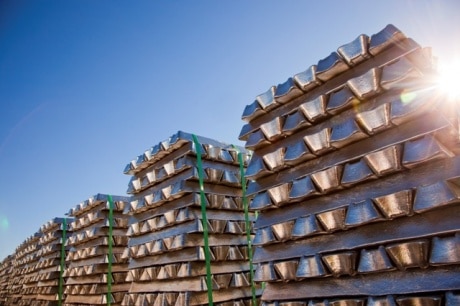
x=85, y=86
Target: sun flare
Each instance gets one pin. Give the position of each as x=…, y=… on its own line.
x=449, y=79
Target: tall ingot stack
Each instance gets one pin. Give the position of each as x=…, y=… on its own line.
x=26, y=258
x=167, y=240
x=51, y=264
x=6, y=269
x=356, y=175
x=95, y=271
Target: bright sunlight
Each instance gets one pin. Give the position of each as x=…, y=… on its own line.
x=449, y=79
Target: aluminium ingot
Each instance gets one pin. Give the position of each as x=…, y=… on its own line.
x=361, y=213
x=367, y=85
x=333, y=220
x=283, y=231
x=410, y=105
x=274, y=160
x=355, y=52
x=385, y=161
x=256, y=139
x=286, y=269
x=264, y=236
x=422, y=150
x=374, y=260
x=409, y=254
x=384, y=39
x=328, y=179
x=445, y=250
x=330, y=66
x=396, y=204
x=265, y=272
x=302, y=187
x=311, y=266
x=297, y=153
x=307, y=79
x=256, y=168
x=387, y=300
x=267, y=99
x=341, y=99
x=315, y=109
x=305, y=226
x=287, y=91
x=319, y=142
x=346, y=133
x=420, y=300
x=375, y=120
x=435, y=195
x=400, y=75
x=252, y=111
x=341, y=263
x=348, y=302
x=293, y=122
x=272, y=130
x=355, y=172
x=279, y=194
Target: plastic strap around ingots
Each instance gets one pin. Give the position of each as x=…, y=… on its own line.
x=62, y=262
x=248, y=224
x=207, y=255
x=110, y=239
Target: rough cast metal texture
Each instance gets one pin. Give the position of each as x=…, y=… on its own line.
x=356, y=174
x=87, y=261
x=166, y=248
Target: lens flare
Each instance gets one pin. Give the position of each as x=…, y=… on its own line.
x=449, y=79
x=4, y=224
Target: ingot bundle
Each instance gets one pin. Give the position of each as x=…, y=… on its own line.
x=24, y=272
x=188, y=234
x=50, y=267
x=356, y=175
x=95, y=269
x=6, y=269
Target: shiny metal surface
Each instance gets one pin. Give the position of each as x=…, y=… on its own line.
x=287, y=91
x=330, y=66
x=340, y=100
x=356, y=51
x=367, y=85
x=307, y=79
x=382, y=40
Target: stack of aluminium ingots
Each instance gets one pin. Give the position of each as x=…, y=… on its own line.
x=356, y=175
x=6, y=269
x=188, y=234
x=51, y=264
x=95, y=270
x=26, y=258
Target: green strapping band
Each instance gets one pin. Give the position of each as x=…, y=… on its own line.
x=248, y=224
x=109, y=269
x=207, y=255
x=62, y=263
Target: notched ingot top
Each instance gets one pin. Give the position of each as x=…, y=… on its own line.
x=330, y=66
x=384, y=39
x=399, y=75
x=375, y=120
x=287, y=91
x=341, y=99
x=356, y=51
x=367, y=85
x=307, y=79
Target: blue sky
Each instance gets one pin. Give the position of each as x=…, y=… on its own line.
x=85, y=86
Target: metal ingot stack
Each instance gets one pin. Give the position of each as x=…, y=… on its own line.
x=51, y=264
x=356, y=175
x=95, y=269
x=26, y=258
x=167, y=247
x=6, y=270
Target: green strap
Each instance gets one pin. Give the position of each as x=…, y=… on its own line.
x=62, y=264
x=109, y=269
x=207, y=255
x=248, y=224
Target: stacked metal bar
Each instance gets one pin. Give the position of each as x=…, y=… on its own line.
x=95, y=271
x=357, y=176
x=166, y=239
x=6, y=269
x=25, y=261
x=51, y=263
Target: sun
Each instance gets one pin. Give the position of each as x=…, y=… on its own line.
x=449, y=79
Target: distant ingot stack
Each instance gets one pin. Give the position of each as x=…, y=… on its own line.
x=26, y=258
x=6, y=270
x=166, y=236
x=51, y=264
x=356, y=175
x=95, y=271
